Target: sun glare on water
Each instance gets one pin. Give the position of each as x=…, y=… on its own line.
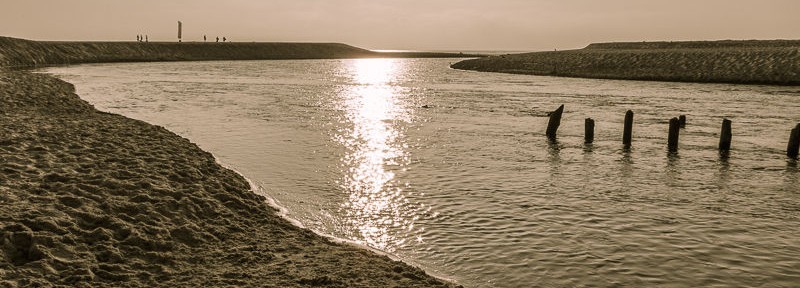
x=373, y=106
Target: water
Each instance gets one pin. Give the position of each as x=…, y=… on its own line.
x=449, y=170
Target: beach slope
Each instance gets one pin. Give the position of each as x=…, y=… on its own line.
x=92, y=199
x=747, y=62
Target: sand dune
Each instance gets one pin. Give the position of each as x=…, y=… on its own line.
x=92, y=199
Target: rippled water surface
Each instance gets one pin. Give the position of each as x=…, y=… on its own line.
x=450, y=170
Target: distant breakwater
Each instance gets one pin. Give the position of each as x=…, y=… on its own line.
x=23, y=53
x=775, y=62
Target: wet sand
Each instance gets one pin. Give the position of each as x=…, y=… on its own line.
x=91, y=199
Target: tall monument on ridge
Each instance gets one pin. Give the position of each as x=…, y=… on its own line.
x=179, y=30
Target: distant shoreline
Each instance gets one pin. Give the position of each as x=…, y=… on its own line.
x=21, y=53
x=771, y=62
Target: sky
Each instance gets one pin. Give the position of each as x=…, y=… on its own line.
x=451, y=25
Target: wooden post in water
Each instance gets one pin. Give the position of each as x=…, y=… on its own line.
x=628, y=131
x=682, y=120
x=589, y=135
x=674, y=131
x=725, y=136
x=794, y=142
x=555, y=121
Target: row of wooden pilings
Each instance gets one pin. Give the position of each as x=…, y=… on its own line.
x=675, y=124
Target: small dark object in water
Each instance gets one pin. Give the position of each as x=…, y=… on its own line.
x=426, y=106
x=555, y=121
x=589, y=131
x=725, y=136
x=627, y=133
x=674, y=131
x=794, y=143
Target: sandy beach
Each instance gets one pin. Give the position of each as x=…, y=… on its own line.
x=351, y=143
x=92, y=199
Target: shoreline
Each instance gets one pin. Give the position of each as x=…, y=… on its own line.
x=21, y=53
x=282, y=211
x=95, y=199
x=763, y=62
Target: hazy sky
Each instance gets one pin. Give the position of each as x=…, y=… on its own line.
x=526, y=25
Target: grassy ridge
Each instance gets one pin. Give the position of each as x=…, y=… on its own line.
x=752, y=62
x=26, y=53
x=697, y=44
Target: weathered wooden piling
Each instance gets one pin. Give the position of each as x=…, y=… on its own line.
x=589, y=135
x=794, y=143
x=674, y=131
x=627, y=133
x=725, y=136
x=555, y=121
x=682, y=120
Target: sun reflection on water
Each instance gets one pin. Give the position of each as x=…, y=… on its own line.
x=374, y=107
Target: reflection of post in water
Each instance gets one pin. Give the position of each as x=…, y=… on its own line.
x=673, y=165
x=627, y=164
x=672, y=158
x=553, y=150
x=723, y=159
x=724, y=155
x=589, y=167
x=553, y=155
x=587, y=148
x=723, y=174
x=791, y=175
x=625, y=172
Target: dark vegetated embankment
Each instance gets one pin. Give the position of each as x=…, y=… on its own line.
x=26, y=53
x=747, y=62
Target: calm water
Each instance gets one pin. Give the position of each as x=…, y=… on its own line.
x=450, y=170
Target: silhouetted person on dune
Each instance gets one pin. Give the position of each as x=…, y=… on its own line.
x=217, y=39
